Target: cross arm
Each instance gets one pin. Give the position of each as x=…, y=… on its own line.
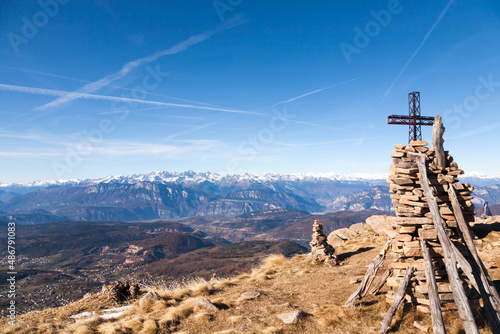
x=407, y=120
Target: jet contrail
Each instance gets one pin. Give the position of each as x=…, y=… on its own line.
x=182, y=46
x=59, y=76
x=42, y=91
x=313, y=92
x=443, y=13
x=52, y=92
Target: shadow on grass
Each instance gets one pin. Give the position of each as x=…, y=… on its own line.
x=344, y=256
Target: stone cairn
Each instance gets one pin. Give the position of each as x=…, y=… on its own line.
x=321, y=250
x=436, y=265
x=413, y=221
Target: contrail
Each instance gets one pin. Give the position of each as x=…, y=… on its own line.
x=42, y=91
x=443, y=13
x=313, y=92
x=195, y=129
x=182, y=46
x=59, y=76
x=52, y=92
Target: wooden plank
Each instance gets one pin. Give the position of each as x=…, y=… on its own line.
x=398, y=301
x=369, y=276
x=432, y=290
x=464, y=309
x=483, y=280
x=381, y=282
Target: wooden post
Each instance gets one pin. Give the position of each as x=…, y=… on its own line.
x=450, y=260
x=398, y=300
x=464, y=264
x=381, y=281
x=432, y=290
x=437, y=141
x=483, y=280
x=369, y=276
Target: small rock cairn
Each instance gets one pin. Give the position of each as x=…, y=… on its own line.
x=320, y=249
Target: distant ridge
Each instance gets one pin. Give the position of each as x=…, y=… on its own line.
x=476, y=178
x=173, y=195
x=192, y=176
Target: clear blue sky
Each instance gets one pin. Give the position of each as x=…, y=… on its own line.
x=96, y=88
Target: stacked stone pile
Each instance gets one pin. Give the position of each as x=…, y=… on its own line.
x=414, y=221
x=321, y=251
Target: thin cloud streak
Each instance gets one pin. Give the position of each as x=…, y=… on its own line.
x=182, y=46
x=355, y=140
x=313, y=92
x=110, y=86
x=443, y=13
x=43, y=91
x=196, y=128
x=477, y=131
x=144, y=109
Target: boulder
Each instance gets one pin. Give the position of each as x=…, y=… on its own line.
x=292, y=317
x=334, y=240
x=357, y=228
x=247, y=295
x=206, y=304
x=151, y=295
x=345, y=234
x=378, y=224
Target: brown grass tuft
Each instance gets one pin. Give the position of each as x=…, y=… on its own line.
x=272, y=330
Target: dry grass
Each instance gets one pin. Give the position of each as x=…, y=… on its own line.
x=286, y=285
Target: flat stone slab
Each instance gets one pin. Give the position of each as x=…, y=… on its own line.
x=248, y=295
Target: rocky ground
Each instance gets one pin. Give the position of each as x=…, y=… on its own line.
x=280, y=296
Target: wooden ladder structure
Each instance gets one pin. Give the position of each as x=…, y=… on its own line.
x=472, y=266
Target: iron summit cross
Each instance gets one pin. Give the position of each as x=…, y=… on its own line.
x=414, y=120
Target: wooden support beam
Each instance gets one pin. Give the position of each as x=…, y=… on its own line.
x=483, y=280
x=381, y=282
x=432, y=290
x=437, y=141
x=398, y=301
x=461, y=300
x=369, y=276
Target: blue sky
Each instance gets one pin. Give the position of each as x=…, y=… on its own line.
x=96, y=88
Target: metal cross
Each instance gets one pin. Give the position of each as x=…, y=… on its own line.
x=414, y=120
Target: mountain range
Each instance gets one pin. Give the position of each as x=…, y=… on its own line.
x=165, y=195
